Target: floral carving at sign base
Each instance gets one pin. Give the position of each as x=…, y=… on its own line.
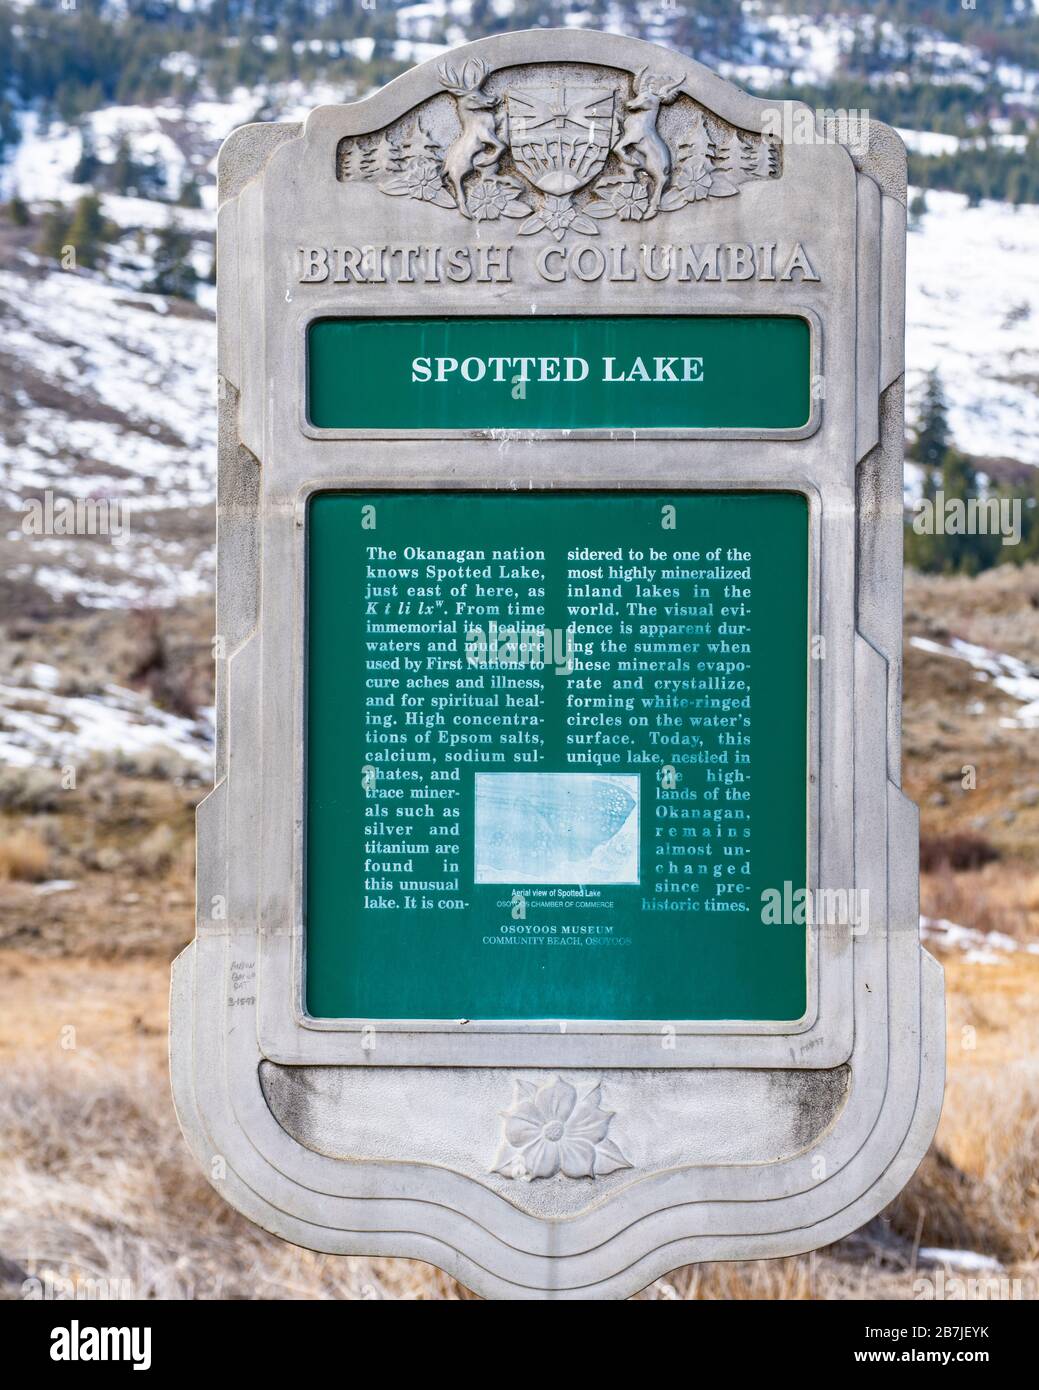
x=550, y=1129
x=560, y=157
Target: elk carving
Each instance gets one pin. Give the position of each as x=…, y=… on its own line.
x=640, y=147
x=477, y=145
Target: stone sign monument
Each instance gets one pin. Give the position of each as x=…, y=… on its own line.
x=557, y=899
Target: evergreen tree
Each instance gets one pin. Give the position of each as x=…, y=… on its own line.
x=767, y=163
x=18, y=211
x=963, y=553
x=88, y=231
x=387, y=156
x=932, y=434
x=174, y=274
x=419, y=145
x=729, y=155
x=368, y=165
x=87, y=165
x=54, y=233
x=124, y=170
x=351, y=160
x=133, y=177
x=190, y=193
x=698, y=144
x=1016, y=191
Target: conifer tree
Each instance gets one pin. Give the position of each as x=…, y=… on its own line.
x=87, y=165
x=932, y=435
x=728, y=155
x=698, y=146
x=387, y=156
x=88, y=231
x=419, y=145
x=368, y=164
x=174, y=273
x=18, y=211
x=54, y=233
x=349, y=161
x=190, y=194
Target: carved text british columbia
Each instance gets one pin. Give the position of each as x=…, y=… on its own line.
x=709, y=262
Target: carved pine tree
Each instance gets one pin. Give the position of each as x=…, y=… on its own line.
x=728, y=159
x=367, y=166
x=768, y=159
x=697, y=145
x=349, y=160
x=419, y=145
x=387, y=156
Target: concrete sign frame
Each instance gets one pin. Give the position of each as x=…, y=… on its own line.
x=739, y=1139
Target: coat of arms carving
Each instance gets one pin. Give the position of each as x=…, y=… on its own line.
x=560, y=156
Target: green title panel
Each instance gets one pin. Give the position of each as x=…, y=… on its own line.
x=703, y=372
x=556, y=755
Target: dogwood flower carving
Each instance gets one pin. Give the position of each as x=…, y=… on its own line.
x=549, y=1129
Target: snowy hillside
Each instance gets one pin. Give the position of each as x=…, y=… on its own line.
x=972, y=312
x=107, y=390
x=105, y=393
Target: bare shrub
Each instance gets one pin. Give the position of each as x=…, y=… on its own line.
x=943, y=1206
x=171, y=675
x=154, y=855
x=1001, y=898
x=963, y=850
x=29, y=789
x=23, y=855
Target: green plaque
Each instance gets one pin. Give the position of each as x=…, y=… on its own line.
x=738, y=371
x=556, y=754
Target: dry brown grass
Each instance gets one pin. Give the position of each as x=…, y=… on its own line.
x=96, y=1182
x=1000, y=897
x=24, y=856
x=155, y=853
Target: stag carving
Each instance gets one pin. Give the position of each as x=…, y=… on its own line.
x=640, y=146
x=477, y=145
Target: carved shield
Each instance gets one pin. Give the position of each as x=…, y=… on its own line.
x=560, y=136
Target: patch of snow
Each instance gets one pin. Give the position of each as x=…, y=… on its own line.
x=811, y=45
x=361, y=48
x=44, y=677
x=1009, y=674
x=972, y=297
x=101, y=343
x=929, y=142
x=41, y=728
x=143, y=128
x=959, y=1259
x=55, y=885
x=146, y=212
x=42, y=164
x=979, y=948
x=933, y=142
